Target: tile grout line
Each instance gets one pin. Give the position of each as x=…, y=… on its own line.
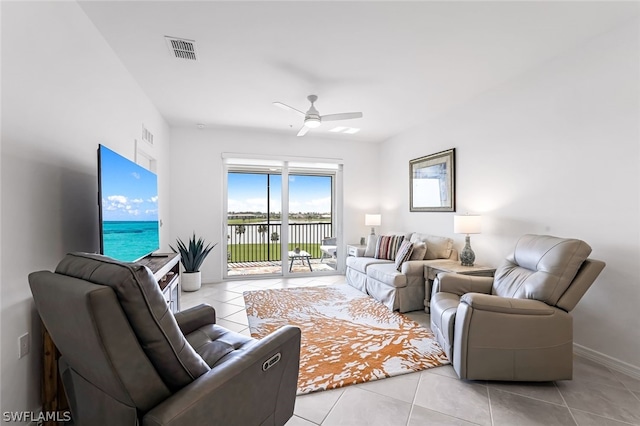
x=531, y=397
x=584, y=411
x=428, y=371
x=615, y=373
x=332, y=407
x=565, y=403
x=415, y=395
x=489, y=401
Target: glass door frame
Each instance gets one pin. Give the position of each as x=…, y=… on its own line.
x=306, y=166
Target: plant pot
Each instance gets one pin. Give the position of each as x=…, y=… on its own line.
x=191, y=281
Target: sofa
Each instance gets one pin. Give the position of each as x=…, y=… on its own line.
x=398, y=285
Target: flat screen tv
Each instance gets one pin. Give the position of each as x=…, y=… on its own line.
x=128, y=206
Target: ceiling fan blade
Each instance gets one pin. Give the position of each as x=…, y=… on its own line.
x=288, y=108
x=303, y=131
x=341, y=116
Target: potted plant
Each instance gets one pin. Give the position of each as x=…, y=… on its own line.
x=191, y=257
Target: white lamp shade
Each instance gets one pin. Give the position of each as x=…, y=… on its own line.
x=372, y=219
x=468, y=224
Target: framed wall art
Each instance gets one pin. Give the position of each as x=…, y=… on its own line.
x=432, y=183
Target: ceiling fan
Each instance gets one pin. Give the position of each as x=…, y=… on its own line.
x=312, y=117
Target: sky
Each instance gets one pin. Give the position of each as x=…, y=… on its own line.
x=248, y=192
x=129, y=191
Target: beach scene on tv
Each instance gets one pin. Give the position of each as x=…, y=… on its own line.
x=129, y=203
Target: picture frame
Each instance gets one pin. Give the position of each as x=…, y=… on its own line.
x=432, y=182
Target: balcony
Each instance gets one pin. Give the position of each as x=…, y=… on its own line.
x=255, y=248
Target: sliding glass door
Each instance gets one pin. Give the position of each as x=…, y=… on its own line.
x=254, y=222
x=280, y=220
x=311, y=220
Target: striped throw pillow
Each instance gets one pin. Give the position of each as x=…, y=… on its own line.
x=387, y=246
x=404, y=253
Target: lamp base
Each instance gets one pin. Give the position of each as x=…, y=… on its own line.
x=467, y=256
x=373, y=231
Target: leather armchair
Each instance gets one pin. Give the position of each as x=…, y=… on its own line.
x=127, y=360
x=517, y=325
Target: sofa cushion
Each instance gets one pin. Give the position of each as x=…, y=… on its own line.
x=213, y=342
x=419, y=251
x=370, y=251
x=404, y=253
x=437, y=247
x=361, y=264
x=387, y=246
x=387, y=274
x=147, y=311
x=541, y=267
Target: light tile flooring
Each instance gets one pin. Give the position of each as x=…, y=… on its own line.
x=596, y=396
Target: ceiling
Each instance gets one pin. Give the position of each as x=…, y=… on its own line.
x=400, y=63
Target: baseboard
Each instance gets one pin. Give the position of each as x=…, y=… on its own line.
x=607, y=361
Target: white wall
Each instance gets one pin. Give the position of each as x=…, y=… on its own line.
x=555, y=151
x=197, y=188
x=63, y=92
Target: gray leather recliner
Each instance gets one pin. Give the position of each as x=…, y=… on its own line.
x=515, y=326
x=127, y=360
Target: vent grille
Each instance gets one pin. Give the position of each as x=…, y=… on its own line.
x=147, y=135
x=182, y=48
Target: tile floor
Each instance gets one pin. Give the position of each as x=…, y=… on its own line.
x=596, y=396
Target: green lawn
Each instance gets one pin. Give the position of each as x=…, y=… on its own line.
x=245, y=221
x=258, y=252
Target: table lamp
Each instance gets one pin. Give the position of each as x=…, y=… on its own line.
x=372, y=220
x=467, y=224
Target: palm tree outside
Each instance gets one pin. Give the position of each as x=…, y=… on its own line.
x=262, y=230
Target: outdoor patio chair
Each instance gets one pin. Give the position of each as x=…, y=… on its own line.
x=329, y=248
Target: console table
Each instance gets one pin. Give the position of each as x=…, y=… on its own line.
x=356, y=250
x=453, y=266
x=166, y=270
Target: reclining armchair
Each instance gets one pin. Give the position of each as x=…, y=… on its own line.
x=515, y=326
x=127, y=360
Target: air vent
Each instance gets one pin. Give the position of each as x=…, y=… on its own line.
x=147, y=135
x=182, y=48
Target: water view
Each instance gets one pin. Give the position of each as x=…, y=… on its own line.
x=127, y=240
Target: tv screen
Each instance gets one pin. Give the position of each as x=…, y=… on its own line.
x=128, y=205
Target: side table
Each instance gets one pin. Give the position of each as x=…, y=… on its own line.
x=302, y=255
x=356, y=250
x=435, y=267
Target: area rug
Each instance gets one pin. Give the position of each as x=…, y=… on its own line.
x=347, y=336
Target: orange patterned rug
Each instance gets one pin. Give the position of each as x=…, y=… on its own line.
x=347, y=336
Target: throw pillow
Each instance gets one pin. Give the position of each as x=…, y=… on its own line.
x=437, y=247
x=419, y=250
x=387, y=246
x=372, y=241
x=404, y=253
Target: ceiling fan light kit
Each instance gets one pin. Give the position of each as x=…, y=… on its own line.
x=313, y=119
x=312, y=122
